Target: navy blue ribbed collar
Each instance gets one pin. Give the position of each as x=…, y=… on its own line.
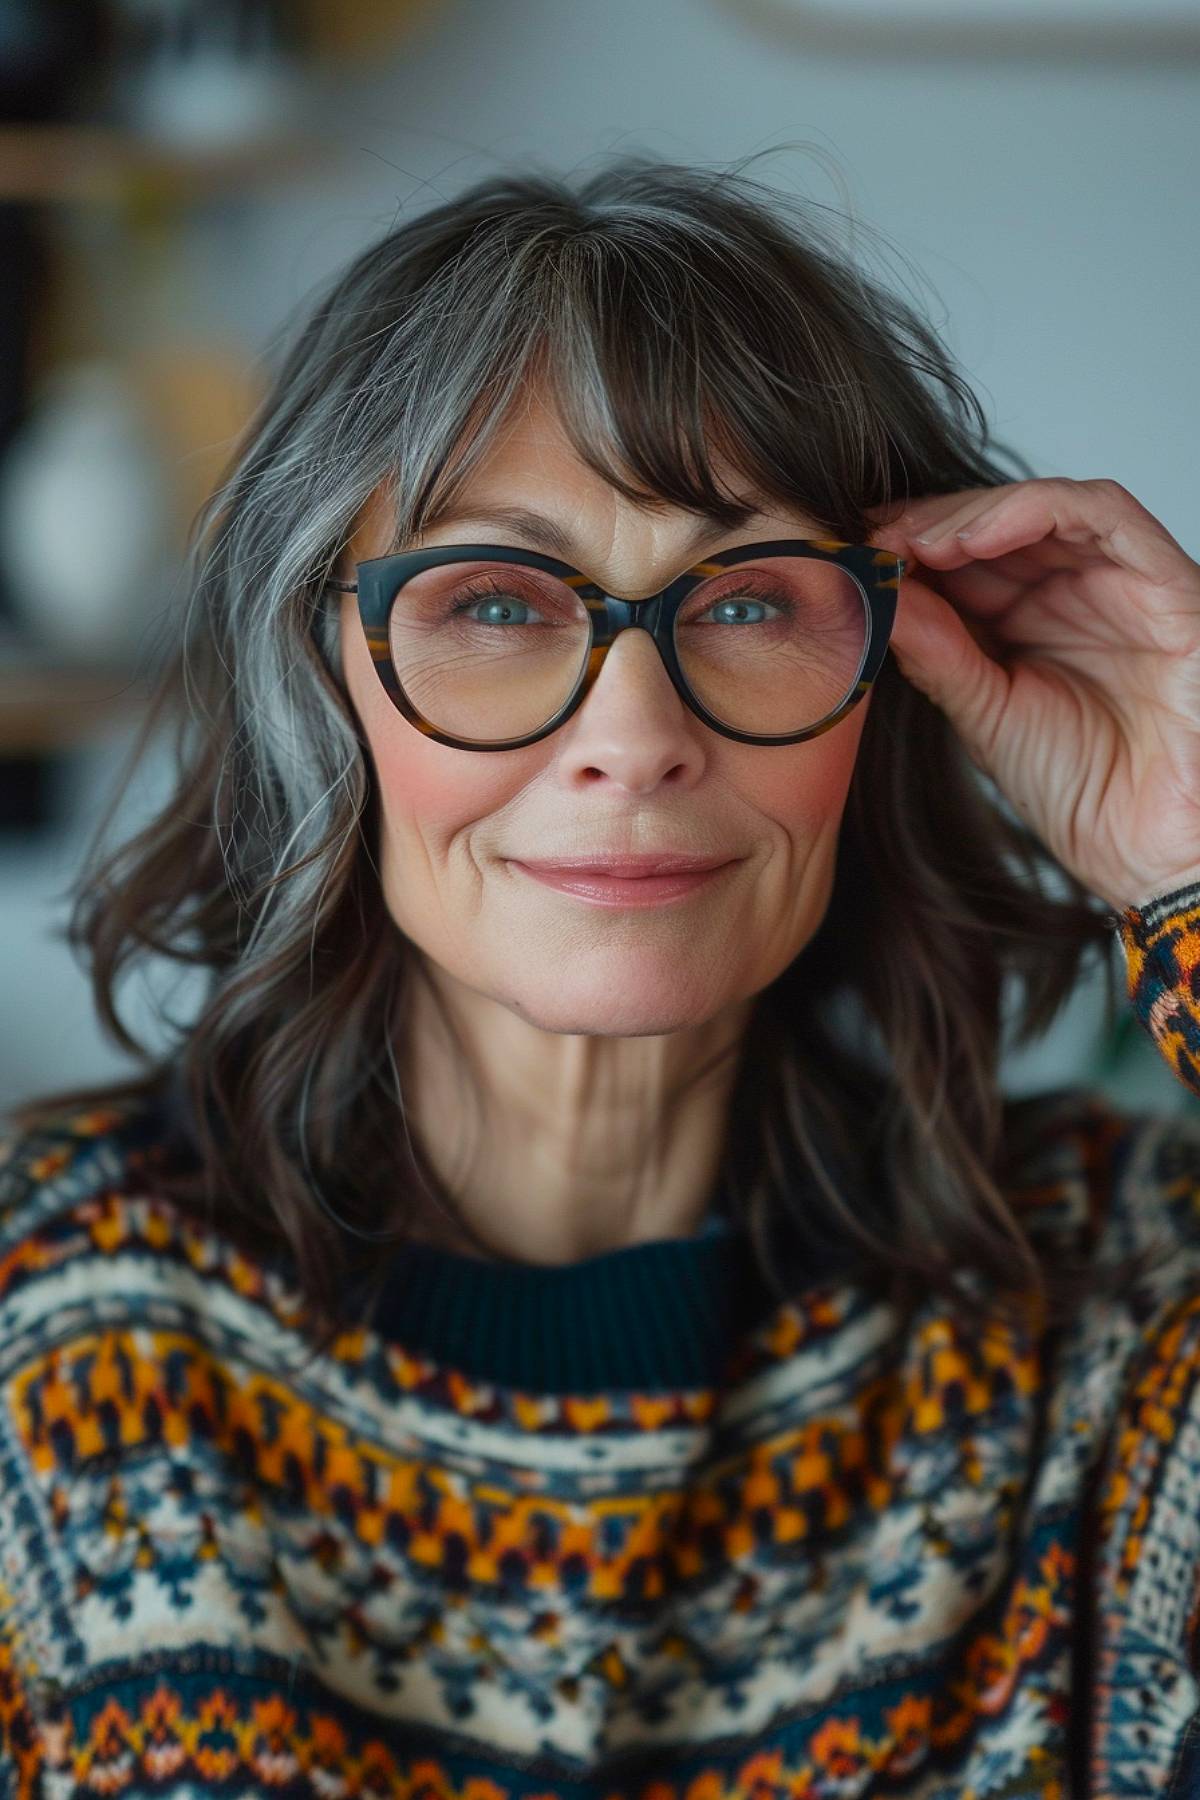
x=663, y=1314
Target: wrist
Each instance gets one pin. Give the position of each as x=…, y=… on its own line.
x=1168, y=885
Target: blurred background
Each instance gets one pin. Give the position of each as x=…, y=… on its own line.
x=175, y=175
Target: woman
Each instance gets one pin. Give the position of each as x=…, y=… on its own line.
x=586, y=1332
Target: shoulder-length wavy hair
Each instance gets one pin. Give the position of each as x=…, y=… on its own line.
x=674, y=310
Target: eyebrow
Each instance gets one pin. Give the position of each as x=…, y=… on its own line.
x=552, y=537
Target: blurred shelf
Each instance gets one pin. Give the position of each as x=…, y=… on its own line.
x=91, y=162
x=47, y=706
x=363, y=32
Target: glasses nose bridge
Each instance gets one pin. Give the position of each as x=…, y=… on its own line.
x=653, y=613
x=612, y=615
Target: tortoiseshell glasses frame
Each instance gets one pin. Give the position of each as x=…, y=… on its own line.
x=379, y=580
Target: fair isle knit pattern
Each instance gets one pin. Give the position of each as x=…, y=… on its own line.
x=941, y=1563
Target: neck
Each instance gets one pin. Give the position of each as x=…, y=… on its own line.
x=560, y=1146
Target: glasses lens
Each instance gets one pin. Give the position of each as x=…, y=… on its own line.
x=774, y=645
x=490, y=651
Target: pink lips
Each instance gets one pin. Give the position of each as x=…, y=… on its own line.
x=639, y=881
x=633, y=867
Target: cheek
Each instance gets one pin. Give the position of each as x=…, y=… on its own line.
x=429, y=791
x=803, y=787
x=417, y=788
x=426, y=791
x=429, y=804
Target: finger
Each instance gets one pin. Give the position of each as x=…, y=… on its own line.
x=991, y=584
x=985, y=587
x=910, y=532
x=914, y=515
x=1090, y=515
x=950, y=659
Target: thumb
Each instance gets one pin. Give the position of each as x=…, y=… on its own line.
x=945, y=656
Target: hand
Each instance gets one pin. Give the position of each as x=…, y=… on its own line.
x=1062, y=639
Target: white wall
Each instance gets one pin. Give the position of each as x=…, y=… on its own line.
x=1046, y=208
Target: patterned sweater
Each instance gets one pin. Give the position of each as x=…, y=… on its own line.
x=845, y=1561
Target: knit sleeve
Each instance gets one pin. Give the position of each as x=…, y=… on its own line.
x=1162, y=950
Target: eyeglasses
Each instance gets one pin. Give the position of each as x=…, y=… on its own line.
x=488, y=647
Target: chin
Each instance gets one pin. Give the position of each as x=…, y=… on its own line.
x=626, y=1008
x=580, y=1024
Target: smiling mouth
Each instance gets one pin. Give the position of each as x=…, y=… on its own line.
x=603, y=888
x=631, y=868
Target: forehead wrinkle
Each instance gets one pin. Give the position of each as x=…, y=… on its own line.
x=556, y=539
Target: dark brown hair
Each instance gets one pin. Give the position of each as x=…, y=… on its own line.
x=674, y=309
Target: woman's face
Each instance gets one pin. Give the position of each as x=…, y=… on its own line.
x=632, y=771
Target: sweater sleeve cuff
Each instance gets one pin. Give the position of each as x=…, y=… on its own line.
x=1161, y=939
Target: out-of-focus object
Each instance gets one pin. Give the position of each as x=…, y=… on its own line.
x=198, y=397
x=353, y=32
x=198, y=74
x=45, y=48
x=48, y=163
x=48, y=706
x=50, y=51
x=83, y=508
x=48, y=48
x=130, y=130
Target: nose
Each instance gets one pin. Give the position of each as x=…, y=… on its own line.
x=632, y=671
x=633, y=726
